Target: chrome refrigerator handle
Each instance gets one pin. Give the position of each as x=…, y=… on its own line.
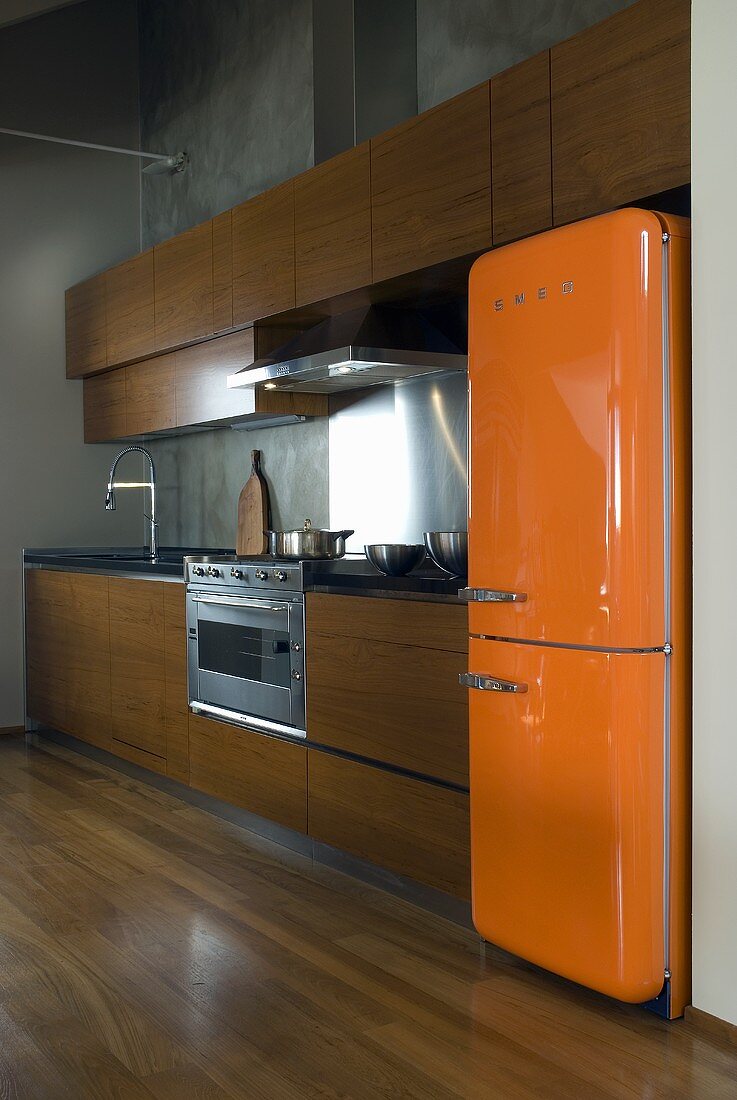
x=490, y=683
x=490, y=595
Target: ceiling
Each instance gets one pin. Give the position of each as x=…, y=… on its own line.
x=15, y=11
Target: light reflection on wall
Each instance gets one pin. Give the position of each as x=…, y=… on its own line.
x=398, y=461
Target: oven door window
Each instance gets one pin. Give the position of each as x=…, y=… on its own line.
x=248, y=652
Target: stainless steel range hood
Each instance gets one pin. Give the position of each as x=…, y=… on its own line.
x=366, y=347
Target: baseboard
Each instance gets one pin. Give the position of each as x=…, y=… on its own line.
x=711, y=1025
x=7, y=731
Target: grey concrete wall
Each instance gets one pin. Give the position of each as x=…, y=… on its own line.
x=199, y=477
x=463, y=42
x=229, y=81
x=63, y=213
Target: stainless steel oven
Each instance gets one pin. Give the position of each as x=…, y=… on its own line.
x=246, y=651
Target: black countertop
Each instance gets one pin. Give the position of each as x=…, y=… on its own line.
x=353, y=576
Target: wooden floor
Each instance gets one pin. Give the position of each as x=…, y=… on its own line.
x=149, y=949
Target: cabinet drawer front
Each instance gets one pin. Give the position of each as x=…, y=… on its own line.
x=261, y=774
x=399, y=704
x=411, y=827
x=431, y=186
x=406, y=622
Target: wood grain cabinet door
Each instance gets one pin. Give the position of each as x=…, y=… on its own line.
x=621, y=109
x=175, y=682
x=138, y=667
x=521, y=184
x=431, y=186
x=222, y=271
x=150, y=403
x=129, y=290
x=202, y=394
x=383, y=682
x=86, y=333
x=263, y=255
x=261, y=774
x=183, y=288
x=68, y=653
x=104, y=406
x=332, y=226
x=412, y=827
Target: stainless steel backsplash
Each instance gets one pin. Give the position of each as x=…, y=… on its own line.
x=398, y=461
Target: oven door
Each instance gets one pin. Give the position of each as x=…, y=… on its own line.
x=246, y=659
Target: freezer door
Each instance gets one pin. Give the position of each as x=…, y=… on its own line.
x=566, y=504
x=567, y=812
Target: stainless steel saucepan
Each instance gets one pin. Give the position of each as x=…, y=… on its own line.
x=307, y=542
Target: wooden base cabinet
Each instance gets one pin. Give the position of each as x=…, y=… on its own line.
x=382, y=681
x=68, y=653
x=137, y=667
x=261, y=774
x=412, y=827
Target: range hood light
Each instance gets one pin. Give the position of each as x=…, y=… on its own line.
x=269, y=385
x=345, y=369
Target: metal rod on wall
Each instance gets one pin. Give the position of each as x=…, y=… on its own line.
x=162, y=161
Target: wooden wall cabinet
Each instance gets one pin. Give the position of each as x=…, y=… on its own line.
x=621, y=109
x=86, y=327
x=129, y=290
x=222, y=271
x=261, y=774
x=104, y=406
x=68, y=653
x=521, y=183
x=263, y=255
x=413, y=828
x=183, y=287
x=202, y=394
x=383, y=682
x=150, y=403
x=332, y=226
x=431, y=186
x=138, y=668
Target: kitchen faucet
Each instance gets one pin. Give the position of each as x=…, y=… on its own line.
x=151, y=484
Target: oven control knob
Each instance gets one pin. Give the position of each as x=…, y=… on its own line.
x=237, y=573
x=261, y=574
x=296, y=675
x=280, y=575
x=198, y=571
x=296, y=647
x=212, y=571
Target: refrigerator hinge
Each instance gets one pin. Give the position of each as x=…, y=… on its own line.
x=666, y=238
x=667, y=649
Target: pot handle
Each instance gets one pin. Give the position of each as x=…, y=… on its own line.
x=341, y=535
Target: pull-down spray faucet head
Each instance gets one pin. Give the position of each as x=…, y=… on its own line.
x=110, y=499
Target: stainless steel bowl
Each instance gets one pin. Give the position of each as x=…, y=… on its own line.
x=395, y=559
x=449, y=550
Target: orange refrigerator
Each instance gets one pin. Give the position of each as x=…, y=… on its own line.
x=579, y=598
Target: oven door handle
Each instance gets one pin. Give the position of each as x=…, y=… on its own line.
x=237, y=601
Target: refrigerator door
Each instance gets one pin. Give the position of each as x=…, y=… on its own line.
x=567, y=819
x=567, y=471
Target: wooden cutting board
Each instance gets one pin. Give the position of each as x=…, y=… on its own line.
x=253, y=512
